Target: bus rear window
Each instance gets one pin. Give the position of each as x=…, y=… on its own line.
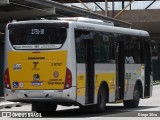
x=37, y=36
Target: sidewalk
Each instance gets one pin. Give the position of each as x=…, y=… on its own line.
x=6, y=104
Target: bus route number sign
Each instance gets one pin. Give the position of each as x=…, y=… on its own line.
x=37, y=31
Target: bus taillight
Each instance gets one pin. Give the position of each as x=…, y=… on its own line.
x=68, y=81
x=7, y=79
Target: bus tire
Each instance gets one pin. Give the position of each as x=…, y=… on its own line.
x=101, y=100
x=136, y=98
x=44, y=107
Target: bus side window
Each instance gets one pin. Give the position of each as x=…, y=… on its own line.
x=155, y=50
x=100, y=49
x=80, y=46
x=134, y=50
x=104, y=48
x=129, y=50
x=139, y=50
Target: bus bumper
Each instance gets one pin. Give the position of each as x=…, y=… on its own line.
x=40, y=95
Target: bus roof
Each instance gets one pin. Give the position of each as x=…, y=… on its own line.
x=91, y=24
x=87, y=20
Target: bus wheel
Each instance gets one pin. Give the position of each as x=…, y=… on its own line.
x=136, y=98
x=101, y=101
x=44, y=107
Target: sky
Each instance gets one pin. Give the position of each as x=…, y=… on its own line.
x=118, y=5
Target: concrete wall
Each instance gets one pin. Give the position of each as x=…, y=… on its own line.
x=140, y=15
x=148, y=20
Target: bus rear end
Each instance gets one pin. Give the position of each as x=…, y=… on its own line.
x=36, y=64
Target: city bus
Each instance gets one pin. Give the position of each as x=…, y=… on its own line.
x=76, y=61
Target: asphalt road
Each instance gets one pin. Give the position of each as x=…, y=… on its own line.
x=147, y=110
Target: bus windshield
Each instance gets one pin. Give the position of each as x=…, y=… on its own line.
x=37, y=36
